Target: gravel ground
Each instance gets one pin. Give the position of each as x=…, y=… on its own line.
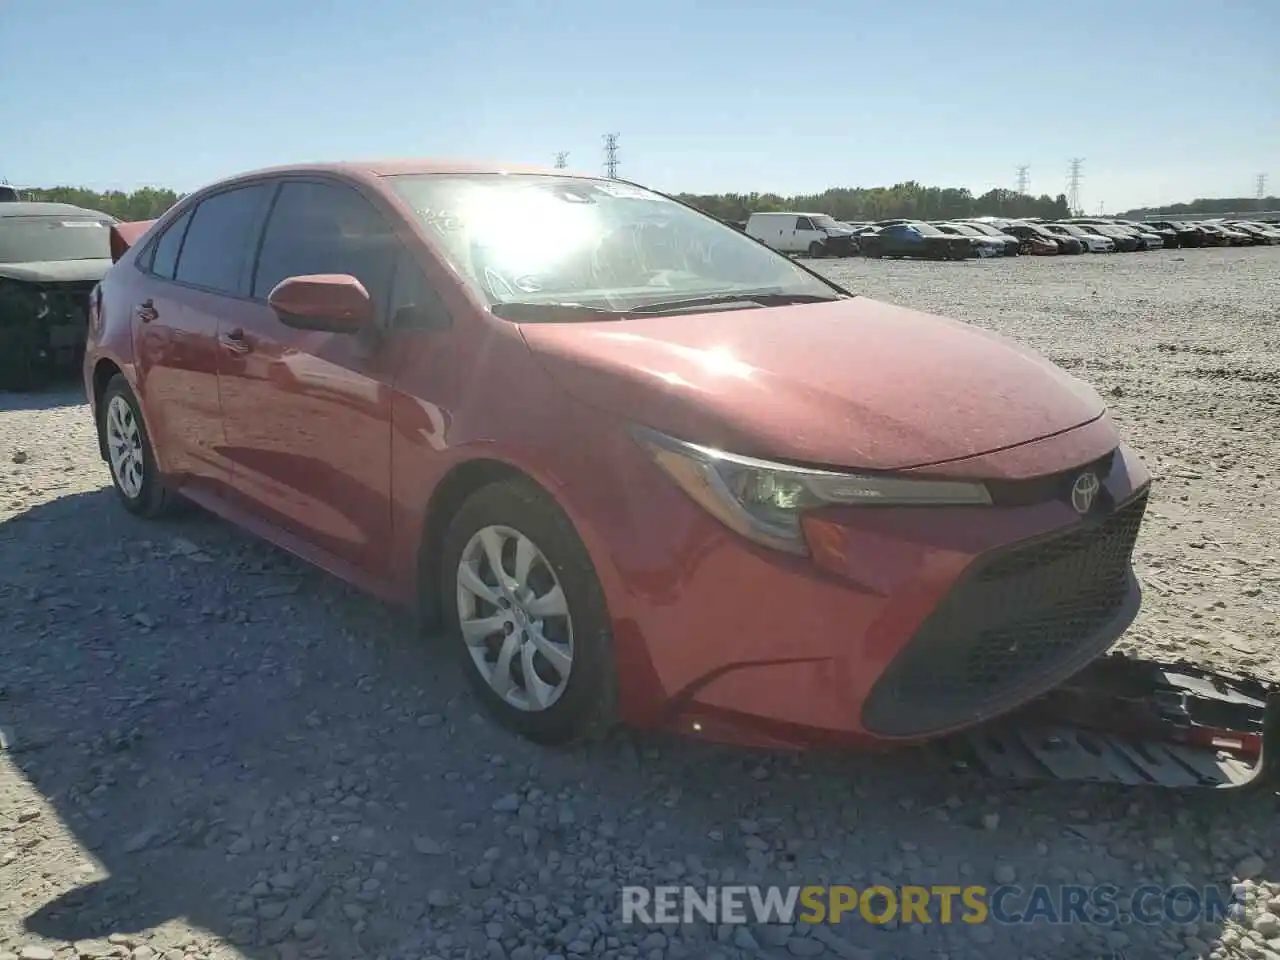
x=211, y=750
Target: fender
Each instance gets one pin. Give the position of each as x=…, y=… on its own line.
x=555, y=485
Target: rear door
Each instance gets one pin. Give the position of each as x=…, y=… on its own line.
x=308, y=413
x=198, y=268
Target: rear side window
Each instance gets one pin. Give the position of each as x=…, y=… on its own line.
x=326, y=228
x=220, y=238
x=165, y=252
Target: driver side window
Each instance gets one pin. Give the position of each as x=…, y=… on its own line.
x=317, y=227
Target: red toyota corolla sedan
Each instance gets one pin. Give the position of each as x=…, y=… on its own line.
x=642, y=468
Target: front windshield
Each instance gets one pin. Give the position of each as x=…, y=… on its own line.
x=824, y=222
x=596, y=243
x=1072, y=229
x=42, y=239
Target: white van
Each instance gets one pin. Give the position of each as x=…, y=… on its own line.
x=812, y=234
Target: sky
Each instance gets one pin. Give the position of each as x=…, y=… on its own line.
x=1164, y=100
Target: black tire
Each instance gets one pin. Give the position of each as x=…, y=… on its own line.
x=817, y=250
x=587, y=708
x=154, y=499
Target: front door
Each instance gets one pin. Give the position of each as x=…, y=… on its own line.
x=308, y=413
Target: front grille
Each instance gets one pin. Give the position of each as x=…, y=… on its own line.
x=1014, y=625
x=67, y=318
x=1055, y=486
x=69, y=302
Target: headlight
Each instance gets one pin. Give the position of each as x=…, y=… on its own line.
x=764, y=501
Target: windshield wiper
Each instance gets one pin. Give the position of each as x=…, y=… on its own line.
x=763, y=299
x=522, y=312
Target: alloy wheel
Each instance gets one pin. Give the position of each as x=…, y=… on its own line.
x=514, y=618
x=124, y=447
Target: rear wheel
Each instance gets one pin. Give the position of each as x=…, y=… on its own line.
x=129, y=452
x=525, y=607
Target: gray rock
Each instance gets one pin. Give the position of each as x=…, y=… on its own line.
x=427, y=847
x=509, y=803
x=1250, y=867
x=439, y=898
x=743, y=940
x=805, y=947
x=1266, y=925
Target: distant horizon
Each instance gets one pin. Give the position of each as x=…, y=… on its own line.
x=1271, y=199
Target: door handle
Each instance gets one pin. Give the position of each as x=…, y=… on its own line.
x=236, y=341
x=146, y=311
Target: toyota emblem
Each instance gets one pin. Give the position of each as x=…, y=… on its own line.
x=1084, y=492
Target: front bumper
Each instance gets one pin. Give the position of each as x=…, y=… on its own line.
x=841, y=246
x=746, y=645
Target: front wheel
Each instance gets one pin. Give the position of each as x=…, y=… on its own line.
x=816, y=250
x=129, y=452
x=525, y=607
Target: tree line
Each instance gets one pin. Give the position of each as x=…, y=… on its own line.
x=144, y=204
x=1205, y=205
x=908, y=200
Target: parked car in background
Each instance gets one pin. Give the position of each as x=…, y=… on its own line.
x=915, y=240
x=1143, y=240
x=1147, y=239
x=1012, y=245
x=1091, y=241
x=1213, y=237
x=984, y=245
x=1036, y=240
x=811, y=234
x=51, y=256
x=1168, y=237
x=1125, y=241
x=1259, y=231
x=631, y=528
x=1226, y=235
x=1188, y=234
x=8, y=194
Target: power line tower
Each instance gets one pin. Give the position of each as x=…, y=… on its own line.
x=1073, y=186
x=611, y=155
x=1262, y=186
x=1024, y=179
x=562, y=160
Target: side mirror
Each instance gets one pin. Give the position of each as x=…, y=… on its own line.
x=333, y=302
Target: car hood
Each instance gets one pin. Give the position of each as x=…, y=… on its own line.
x=55, y=271
x=854, y=383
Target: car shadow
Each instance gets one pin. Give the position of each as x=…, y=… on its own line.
x=244, y=750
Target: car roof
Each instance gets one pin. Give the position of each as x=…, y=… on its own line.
x=372, y=169
x=27, y=208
